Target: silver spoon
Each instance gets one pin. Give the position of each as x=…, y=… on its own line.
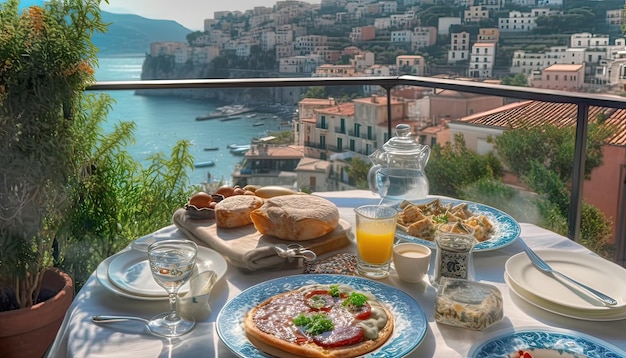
x=112, y=318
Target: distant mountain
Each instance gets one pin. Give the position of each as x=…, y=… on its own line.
x=132, y=34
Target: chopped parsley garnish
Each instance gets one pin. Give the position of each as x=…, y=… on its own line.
x=441, y=219
x=356, y=299
x=301, y=320
x=334, y=291
x=315, y=324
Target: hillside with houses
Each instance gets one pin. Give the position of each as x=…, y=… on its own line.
x=481, y=40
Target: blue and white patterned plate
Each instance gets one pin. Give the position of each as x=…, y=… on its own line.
x=506, y=229
x=410, y=322
x=544, y=342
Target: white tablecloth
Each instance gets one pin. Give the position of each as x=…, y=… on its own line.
x=79, y=337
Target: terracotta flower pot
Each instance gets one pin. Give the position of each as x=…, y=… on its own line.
x=28, y=332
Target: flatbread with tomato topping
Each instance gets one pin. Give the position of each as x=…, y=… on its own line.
x=319, y=321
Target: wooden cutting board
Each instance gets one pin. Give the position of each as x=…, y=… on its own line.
x=247, y=248
x=247, y=237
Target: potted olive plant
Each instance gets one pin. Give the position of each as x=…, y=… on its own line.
x=46, y=62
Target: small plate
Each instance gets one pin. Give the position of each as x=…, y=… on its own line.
x=543, y=342
x=207, y=260
x=410, y=323
x=591, y=270
x=130, y=272
x=506, y=229
x=586, y=315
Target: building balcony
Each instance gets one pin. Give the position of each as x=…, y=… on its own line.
x=315, y=145
x=583, y=102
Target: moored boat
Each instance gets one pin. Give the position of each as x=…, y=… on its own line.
x=235, y=146
x=240, y=150
x=229, y=118
x=208, y=163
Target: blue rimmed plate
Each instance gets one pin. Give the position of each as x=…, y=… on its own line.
x=544, y=342
x=410, y=322
x=505, y=231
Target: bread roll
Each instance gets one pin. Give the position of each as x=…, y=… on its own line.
x=296, y=217
x=234, y=211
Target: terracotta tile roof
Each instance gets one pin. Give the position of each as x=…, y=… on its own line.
x=558, y=114
x=344, y=109
x=563, y=67
x=317, y=101
x=377, y=100
x=286, y=152
x=313, y=165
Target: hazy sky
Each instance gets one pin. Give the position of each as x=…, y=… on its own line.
x=189, y=13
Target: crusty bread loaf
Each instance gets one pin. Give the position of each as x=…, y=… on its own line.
x=296, y=217
x=234, y=211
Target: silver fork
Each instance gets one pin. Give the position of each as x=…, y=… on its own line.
x=544, y=267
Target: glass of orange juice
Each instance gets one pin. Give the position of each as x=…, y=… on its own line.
x=375, y=232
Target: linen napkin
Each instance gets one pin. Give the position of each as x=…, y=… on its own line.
x=250, y=250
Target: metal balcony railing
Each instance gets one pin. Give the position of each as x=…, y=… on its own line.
x=582, y=100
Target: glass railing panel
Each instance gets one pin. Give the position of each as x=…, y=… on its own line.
x=321, y=147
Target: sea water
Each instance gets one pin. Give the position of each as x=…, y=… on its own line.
x=162, y=121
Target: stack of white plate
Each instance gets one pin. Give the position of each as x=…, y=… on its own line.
x=554, y=295
x=128, y=273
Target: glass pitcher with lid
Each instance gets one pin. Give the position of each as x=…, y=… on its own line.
x=398, y=168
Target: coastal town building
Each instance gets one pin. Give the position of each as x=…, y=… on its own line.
x=491, y=4
x=475, y=14
x=561, y=77
x=615, y=18
x=411, y=64
x=327, y=70
x=459, y=47
x=519, y=21
x=488, y=35
x=300, y=64
x=264, y=164
x=445, y=22
x=423, y=36
x=588, y=40
x=482, y=60
x=363, y=33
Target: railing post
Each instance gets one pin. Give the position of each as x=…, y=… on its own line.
x=388, y=90
x=578, y=173
x=620, y=237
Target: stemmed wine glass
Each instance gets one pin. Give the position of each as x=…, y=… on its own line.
x=172, y=263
